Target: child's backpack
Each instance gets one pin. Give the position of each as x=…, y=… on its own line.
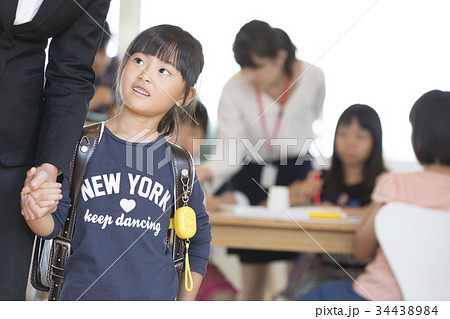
x=50, y=256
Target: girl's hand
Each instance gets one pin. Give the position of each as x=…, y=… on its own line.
x=32, y=211
x=40, y=202
x=301, y=192
x=47, y=194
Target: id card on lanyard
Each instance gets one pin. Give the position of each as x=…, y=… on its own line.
x=269, y=172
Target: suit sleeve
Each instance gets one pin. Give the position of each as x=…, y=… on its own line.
x=69, y=85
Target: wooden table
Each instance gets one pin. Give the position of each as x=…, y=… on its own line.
x=263, y=234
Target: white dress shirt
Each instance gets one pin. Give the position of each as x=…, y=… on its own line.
x=26, y=10
x=238, y=118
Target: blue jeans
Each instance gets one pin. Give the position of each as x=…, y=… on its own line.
x=334, y=290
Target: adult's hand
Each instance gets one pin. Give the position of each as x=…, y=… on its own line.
x=32, y=211
x=37, y=176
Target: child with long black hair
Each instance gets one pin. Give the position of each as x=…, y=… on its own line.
x=357, y=160
x=119, y=243
x=429, y=188
x=356, y=163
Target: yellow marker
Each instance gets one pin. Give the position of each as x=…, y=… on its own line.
x=325, y=215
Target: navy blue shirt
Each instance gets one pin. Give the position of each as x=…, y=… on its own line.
x=349, y=197
x=119, y=243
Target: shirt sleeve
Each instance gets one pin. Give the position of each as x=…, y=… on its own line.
x=388, y=189
x=200, y=247
x=319, y=93
x=69, y=85
x=62, y=211
x=231, y=127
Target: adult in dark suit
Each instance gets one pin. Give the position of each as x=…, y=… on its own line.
x=40, y=123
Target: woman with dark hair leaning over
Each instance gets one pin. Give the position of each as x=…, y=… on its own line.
x=275, y=97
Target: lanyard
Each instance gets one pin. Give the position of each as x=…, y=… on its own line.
x=283, y=101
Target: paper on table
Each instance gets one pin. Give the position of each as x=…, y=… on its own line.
x=290, y=214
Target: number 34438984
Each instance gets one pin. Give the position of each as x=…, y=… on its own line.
x=407, y=310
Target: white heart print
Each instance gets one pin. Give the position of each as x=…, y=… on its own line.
x=127, y=204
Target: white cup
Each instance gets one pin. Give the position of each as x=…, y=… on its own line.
x=278, y=198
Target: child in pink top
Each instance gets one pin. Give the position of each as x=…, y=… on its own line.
x=429, y=188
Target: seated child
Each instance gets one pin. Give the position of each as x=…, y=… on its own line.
x=356, y=163
x=428, y=188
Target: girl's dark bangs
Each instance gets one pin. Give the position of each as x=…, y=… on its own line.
x=346, y=118
x=163, y=50
x=364, y=120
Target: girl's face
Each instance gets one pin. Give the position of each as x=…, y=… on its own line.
x=150, y=86
x=267, y=71
x=353, y=144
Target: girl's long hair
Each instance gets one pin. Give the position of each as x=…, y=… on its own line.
x=180, y=48
x=334, y=178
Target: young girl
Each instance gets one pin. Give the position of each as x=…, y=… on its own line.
x=119, y=248
x=429, y=188
x=357, y=161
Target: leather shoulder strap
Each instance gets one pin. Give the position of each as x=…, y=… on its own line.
x=183, y=168
x=83, y=152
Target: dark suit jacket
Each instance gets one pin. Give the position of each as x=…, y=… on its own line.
x=40, y=123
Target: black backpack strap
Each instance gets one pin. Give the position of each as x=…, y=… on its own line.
x=62, y=247
x=183, y=169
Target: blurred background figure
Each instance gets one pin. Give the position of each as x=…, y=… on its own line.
x=275, y=97
x=356, y=163
x=194, y=127
x=102, y=105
